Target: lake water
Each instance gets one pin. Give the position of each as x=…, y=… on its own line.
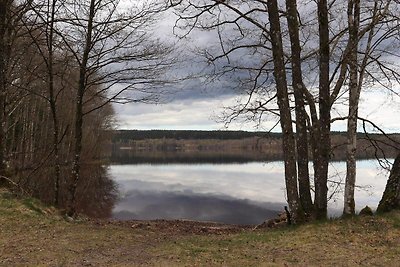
x=245, y=193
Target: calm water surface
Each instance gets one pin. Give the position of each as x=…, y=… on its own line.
x=245, y=193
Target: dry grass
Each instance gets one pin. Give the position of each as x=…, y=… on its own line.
x=357, y=241
x=31, y=234
x=38, y=236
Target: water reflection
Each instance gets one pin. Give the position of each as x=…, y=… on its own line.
x=149, y=205
x=230, y=193
x=96, y=191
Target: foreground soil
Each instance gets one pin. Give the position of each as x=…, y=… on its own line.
x=31, y=234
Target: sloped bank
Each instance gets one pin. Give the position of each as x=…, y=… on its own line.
x=33, y=234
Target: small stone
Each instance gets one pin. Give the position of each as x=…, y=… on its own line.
x=68, y=218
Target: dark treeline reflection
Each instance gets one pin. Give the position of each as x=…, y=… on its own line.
x=221, y=157
x=149, y=205
x=96, y=192
x=165, y=157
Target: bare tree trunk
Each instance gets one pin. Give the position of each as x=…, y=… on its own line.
x=391, y=197
x=323, y=150
x=57, y=165
x=356, y=82
x=301, y=115
x=289, y=148
x=76, y=164
x=53, y=106
x=353, y=13
x=32, y=116
x=4, y=7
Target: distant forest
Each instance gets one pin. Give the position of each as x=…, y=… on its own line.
x=125, y=135
x=186, y=146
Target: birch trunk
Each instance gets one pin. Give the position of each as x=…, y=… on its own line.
x=353, y=14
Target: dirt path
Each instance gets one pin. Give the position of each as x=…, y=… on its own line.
x=32, y=235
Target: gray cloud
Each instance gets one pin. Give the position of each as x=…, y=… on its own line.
x=195, y=103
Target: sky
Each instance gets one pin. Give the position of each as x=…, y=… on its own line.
x=197, y=105
x=204, y=114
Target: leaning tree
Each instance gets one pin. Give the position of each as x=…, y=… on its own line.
x=391, y=196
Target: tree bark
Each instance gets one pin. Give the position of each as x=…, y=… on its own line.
x=4, y=9
x=391, y=196
x=354, y=97
x=324, y=144
x=301, y=115
x=53, y=106
x=78, y=133
x=289, y=148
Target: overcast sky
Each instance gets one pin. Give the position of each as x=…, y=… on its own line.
x=198, y=106
x=203, y=114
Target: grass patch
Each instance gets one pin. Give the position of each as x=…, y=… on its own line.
x=34, y=205
x=349, y=242
x=393, y=217
x=29, y=235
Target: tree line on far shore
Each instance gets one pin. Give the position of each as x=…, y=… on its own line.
x=264, y=145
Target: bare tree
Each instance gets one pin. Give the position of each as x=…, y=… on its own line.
x=285, y=114
x=5, y=32
x=3, y=8
x=319, y=70
x=42, y=19
x=40, y=79
x=366, y=39
x=301, y=115
x=114, y=52
x=249, y=20
x=11, y=13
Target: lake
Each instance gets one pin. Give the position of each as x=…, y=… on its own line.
x=246, y=193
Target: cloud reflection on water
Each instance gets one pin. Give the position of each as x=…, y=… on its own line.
x=230, y=193
x=150, y=205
